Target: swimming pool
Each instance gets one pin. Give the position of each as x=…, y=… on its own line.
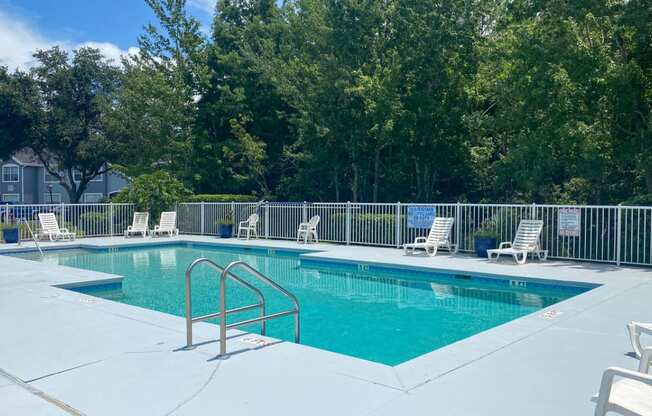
x=382, y=314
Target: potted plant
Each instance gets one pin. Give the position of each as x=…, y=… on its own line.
x=485, y=238
x=225, y=226
x=10, y=232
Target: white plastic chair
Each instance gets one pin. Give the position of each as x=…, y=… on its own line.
x=635, y=330
x=50, y=228
x=626, y=392
x=525, y=242
x=439, y=236
x=249, y=226
x=308, y=229
x=167, y=225
x=139, y=225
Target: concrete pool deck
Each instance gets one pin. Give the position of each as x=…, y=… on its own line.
x=63, y=352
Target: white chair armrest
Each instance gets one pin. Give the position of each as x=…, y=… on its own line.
x=129, y=228
x=243, y=223
x=505, y=244
x=608, y=380
x=420, y=240
x=64, y=230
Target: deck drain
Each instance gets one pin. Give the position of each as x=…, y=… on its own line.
x=259, y=342
x=88, y=300
x=551, y=314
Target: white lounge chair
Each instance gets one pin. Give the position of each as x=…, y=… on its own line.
x=308, y=229
x=626, y=392
x=249, y=226
x=167, y=225
x=439, y=236
x=139, y=225
x=635, y=330
x=50, y=228
x=526, y=242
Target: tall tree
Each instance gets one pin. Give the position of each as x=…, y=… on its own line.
x=242, y=120
x=162, y=84
x=73, y=99
x=17, y=116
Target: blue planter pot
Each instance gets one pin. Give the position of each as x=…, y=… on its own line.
x=482, y=244
x=10, y=235
x=225, y=230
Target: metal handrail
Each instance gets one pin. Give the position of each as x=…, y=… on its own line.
x=223, y=325
x=223, y=312
x=190, y=320
x=38, y=246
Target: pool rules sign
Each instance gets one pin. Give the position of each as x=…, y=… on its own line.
x=569, y=222
x=420, y=216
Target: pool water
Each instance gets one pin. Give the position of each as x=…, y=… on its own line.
x=377, y=313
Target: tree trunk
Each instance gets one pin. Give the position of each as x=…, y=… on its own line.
x=648, y=178
x=355, y=183
x=376, y=174
x=336, y=183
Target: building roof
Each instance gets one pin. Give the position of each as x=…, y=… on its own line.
x=26, y=157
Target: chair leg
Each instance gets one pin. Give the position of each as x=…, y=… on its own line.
x=316, y=238
x=523, y=260
x=635, y=337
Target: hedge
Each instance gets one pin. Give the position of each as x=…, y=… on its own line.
x=222, y=198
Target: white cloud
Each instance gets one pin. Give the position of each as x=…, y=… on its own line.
x=20, y=41
x=109, y=50
x=207, y=6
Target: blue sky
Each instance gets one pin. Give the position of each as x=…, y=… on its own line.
x=111, y=25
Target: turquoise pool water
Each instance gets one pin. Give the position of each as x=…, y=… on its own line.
x=381, y=314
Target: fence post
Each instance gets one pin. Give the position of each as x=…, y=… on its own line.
x=533, y=213
x=202, y=217
x=267, y=221
x=458, y=225
x=304, y=212
x=111, y=219
x=63, y=215
x=7, y=214
x=348, y=222
x=620, y=231
x=398, y=224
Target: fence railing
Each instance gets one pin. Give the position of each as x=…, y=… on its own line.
x=609, y=234
x=85, y=220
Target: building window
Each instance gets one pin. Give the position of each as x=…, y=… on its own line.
x=11, y=198
x=10, y=173
x=52, y=198
x=92, y=198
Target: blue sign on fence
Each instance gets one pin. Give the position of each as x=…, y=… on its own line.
x=420, y=216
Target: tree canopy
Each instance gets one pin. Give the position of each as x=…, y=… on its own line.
x=371, y=100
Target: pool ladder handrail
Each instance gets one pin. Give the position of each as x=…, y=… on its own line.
x=223, y=312
x=29, y=228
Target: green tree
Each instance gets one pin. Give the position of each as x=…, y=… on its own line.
x=156, y=108
x=17, y=116
x=154, y=192
x=72, y=101
x=242, y=125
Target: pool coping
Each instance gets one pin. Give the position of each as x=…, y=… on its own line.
x=412, y=373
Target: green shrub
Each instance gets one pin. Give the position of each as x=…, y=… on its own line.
x=154, y=192
x=640, y=200
x=221, y=198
